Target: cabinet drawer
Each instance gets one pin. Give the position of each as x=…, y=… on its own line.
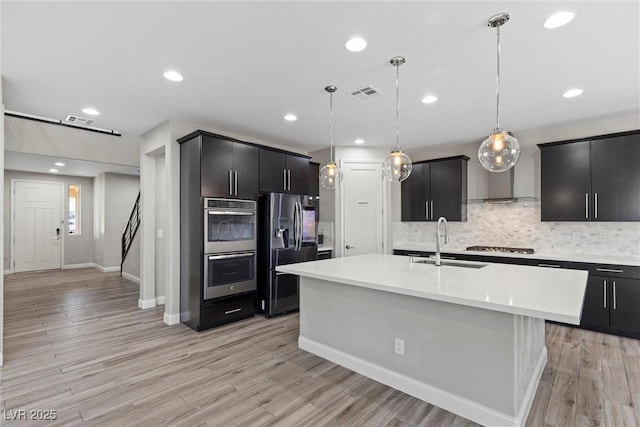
x=608, y=270
x=226, y=310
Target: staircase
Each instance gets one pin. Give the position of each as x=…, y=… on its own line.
x=130, y=230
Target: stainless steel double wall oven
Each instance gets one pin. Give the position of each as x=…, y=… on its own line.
x=230, y=243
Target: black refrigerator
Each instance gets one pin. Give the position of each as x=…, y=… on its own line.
x=287, y=233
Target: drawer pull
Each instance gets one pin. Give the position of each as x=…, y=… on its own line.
x=614, y=296
x=610, y=270
x=604, y=292
x=549, y=265
x=410, y=254
x=235, y=310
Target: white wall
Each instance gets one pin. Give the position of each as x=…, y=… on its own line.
x=28, y=136
x=2, y=213
x=115, y=197
x=78, y=249
x=161, y=259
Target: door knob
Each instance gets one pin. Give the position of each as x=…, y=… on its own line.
x=350, y=247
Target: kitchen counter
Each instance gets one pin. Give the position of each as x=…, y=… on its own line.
x=468, y=340
x=548, y=255
x=545, y=293
x=325, y=248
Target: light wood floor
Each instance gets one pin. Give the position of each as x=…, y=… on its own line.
x=75, y=342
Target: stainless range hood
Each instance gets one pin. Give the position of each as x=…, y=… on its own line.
x=500, y=187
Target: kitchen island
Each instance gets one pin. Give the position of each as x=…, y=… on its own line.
x=468, y=338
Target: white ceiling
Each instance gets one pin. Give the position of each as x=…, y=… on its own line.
x=246, y=64
x=27, y=162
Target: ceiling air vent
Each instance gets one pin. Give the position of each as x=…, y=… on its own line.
x=366, y=93
x=80, y=120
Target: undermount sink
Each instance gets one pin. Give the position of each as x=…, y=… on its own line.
x=448, y=263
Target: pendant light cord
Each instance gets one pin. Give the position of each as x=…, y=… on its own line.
x=397, y=106
x=498, y=81
x=331, y=125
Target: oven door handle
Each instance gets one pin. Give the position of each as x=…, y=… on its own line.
x=230, y=213
x=244, y=254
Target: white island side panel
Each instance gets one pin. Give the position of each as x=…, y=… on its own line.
x=481, y=364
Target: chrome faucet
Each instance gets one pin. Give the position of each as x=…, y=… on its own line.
x=438, y=235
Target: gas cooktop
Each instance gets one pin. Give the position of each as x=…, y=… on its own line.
x=501, y=249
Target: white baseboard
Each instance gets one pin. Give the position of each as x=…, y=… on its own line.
x=81, y=265
x=160, y=300
x=146, y=303
x=108, y=269
x=171, y=319
x=1, y=360
x=131, y=277
x=8, y=271
x=436, y=396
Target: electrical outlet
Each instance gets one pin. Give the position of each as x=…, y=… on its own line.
x=601, y=236
x=399, y=346
x=575, y=236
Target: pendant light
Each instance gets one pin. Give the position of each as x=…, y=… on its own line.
x=500, y=151
x=397, y=165
x=330, y=174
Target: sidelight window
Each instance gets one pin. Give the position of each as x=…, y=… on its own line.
x=73, y=220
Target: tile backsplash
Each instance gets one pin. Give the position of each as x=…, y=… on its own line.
x=518, y=225
x=326, y=229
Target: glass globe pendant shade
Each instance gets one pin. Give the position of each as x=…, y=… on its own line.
x=397, y=166
x=499, y=152
x=330, y=176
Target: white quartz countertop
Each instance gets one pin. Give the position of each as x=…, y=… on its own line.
x=549, y=255
x=547, y=293
x=325, y=248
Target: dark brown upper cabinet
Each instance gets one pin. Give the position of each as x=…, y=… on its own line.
x=591, y=179
x=282, y=172
x=227, y=168
x=436, y=188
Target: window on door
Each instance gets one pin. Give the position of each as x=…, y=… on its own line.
x=73, y=221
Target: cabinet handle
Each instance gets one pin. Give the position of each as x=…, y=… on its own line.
x=289, y=179
x=614, y=295
x=235, y=183
x=586, y=205
x=230, y=182
x=235, y=310
x=432, y=209
x=410, y=254
x=284, y=179
x=609, y=270
x=426, y=209
x=604, y=292
x=595, y=205
x=549, y=265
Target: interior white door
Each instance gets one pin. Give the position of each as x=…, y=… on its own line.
x=362, y=207
x=37, y=225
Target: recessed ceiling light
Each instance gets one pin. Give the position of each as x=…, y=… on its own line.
x=356, y=44
x=174, y=76
x=90, y=111
x=359, y=141
x=290, y=118
x=53, y=170
x=429, y=99
x=559, y=19
x=571, y=93
x=59, y=164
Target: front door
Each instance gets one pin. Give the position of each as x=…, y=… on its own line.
x=362, y=207
x=37, y=225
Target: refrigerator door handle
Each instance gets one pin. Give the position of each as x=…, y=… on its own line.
x=299, y=226
x=295, y=226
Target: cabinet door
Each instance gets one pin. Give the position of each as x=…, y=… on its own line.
x=298, y=174
x=565, y=182
x=448, y=189
x=245, y=164
x=625, y=300
x=215, y=163
x=597, y=300
x=415, y=194
x=615, y=178
x=272, y=166
x=314, y=179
